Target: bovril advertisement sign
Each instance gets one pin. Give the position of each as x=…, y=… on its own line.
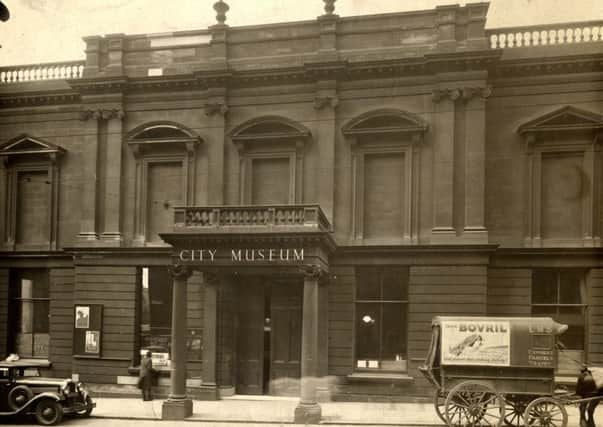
x=476, y=342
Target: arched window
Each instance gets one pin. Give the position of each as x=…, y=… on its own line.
x=271, y=149
x=385, y=171
x=165, y=176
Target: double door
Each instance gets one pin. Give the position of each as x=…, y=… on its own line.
x=268, y=350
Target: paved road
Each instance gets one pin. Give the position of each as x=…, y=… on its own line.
x=104, y=422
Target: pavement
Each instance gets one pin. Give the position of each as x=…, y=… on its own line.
x=279, y=410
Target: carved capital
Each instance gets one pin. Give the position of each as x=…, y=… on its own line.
x=104, y=114
x=313, y=272
x=210, y=279
x=438, y=95
x=476, y=92
x=212, y=108
x=180, y=272
x=321, y=102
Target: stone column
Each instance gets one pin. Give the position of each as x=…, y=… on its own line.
x=474, y=230
x=178, y=406
x=209, y=385
x=112, y=231
x=308, y=410
x=88, y=220
x=443, y=166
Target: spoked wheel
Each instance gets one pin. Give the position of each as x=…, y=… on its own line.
x=49, y=412
x=545, y=412
x=516, y=406
x=439, y=402
x=473, y=403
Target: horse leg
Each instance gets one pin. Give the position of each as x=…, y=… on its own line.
x=583, y=421
x=591, y=412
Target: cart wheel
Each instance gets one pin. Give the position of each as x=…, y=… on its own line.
x=545, y=412
x=516, y=407
x=472, y=403
x=439, y=402
x=49, y=412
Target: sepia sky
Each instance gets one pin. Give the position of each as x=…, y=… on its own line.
x=52, y=30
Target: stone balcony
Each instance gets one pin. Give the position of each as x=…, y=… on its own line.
x=250, y=219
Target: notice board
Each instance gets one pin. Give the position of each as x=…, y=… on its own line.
x=87, y=330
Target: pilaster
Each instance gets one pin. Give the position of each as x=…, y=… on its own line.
x=216, y=109
x=474, y=228
x=111, y=234
x=443, y=166
x=88, y=202
x=325, y=105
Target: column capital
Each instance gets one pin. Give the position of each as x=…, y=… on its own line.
x=180, y=272
x=313, y=272
x=321, y=102
x=438, y=95
x=101, y=113
x=212, y=108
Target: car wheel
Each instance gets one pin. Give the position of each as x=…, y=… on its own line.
x=86, y=412
x=49, y=412
x=19, y=396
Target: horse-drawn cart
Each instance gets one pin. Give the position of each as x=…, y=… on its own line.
x=489, y=371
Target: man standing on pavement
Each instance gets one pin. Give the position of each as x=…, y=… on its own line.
x=145, y=382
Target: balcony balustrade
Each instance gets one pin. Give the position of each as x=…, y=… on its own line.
x=222, y=219
x=41, y=72
x=544, y=35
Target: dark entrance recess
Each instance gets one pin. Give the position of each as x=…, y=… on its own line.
x=269, y=336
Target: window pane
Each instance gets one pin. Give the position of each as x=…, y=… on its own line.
x=544, y=310
x=394, y=332
x=569, y=288
x=368, y=329
x=544, y=287
x=40, y=320
x=395, y=284
x=574, y=317
x=367, y=283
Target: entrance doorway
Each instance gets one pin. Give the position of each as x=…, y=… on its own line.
x=269, y=336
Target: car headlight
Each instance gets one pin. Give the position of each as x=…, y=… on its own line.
x=65, y=389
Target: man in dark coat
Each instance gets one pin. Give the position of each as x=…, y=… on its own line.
x=145, y=382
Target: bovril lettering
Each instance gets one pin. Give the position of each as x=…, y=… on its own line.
x=480, y=327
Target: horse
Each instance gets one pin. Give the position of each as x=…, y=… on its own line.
x=589, y=384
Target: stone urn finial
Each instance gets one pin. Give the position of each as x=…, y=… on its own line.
x=221, y=8
x=329, y=6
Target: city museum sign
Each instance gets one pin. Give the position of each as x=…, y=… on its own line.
x=242, y=255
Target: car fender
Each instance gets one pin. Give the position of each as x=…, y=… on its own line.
x=29, y=406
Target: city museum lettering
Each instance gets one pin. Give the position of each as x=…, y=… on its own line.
x=243, y=255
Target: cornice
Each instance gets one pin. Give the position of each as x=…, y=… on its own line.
x=549, y=66
x=26, y=99
x=99, y=84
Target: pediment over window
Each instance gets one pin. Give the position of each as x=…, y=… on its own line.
x=162, y=135
x=28, y=145
x=269, y=128
x=384, y=121
x=564, y=119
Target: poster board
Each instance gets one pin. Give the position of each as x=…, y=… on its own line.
x=87, y=330
x=476, y=342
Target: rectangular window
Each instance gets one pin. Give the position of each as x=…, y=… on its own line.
x=381, y=318
x=156, y=309
x=29, y=312
x=561, y=294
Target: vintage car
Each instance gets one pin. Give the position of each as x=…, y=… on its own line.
x=24, y=392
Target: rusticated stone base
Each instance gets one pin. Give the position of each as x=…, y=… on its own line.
x=176, y=409
x=308, y=413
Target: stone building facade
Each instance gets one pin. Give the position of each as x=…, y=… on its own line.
x=282, y=209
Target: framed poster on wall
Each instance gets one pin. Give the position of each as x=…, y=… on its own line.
x=87, y=330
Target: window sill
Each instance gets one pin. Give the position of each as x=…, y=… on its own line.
x=380, y=377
